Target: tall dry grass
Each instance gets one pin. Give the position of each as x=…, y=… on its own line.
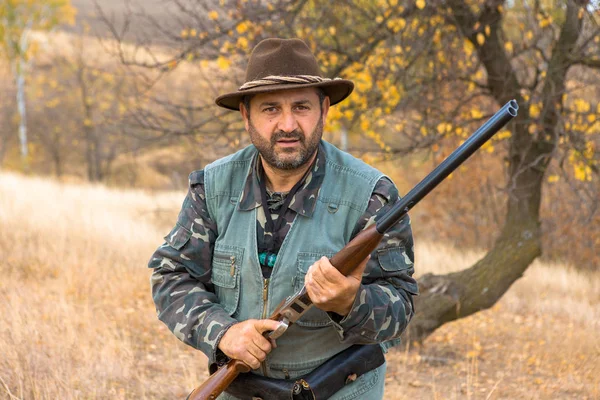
x=76, y=316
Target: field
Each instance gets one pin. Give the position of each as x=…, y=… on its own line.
x=77, y=320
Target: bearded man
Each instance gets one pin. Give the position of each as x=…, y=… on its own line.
x=259, y=224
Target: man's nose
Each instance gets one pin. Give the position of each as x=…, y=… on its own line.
x=288, y=122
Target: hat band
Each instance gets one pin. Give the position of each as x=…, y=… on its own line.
x=276, y=80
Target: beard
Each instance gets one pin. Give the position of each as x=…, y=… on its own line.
x=287, y=158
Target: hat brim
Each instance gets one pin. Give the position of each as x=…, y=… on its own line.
x=337, y=90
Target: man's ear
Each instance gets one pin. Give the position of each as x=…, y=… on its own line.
x=325, y=108
x=245, y=115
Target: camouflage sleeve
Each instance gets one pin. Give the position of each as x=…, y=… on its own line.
x=383, y=306
x=181, y=288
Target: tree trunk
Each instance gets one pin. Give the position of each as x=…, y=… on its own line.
x=460, y=294
x=344, y=138
x=20, y=82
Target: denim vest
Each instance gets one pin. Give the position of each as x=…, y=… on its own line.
x=236, y=273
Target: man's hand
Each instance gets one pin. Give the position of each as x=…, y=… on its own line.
x=329, y=290
x=244, y=341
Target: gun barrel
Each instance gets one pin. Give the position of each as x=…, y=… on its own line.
x=348, y=258
x=446, y=167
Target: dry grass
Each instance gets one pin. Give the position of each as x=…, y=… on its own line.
x=77, y=321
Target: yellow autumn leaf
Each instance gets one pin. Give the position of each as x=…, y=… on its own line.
x=582, y=172
x=508, y=46
x=172, y=64
x=468, y=47
x=553, y=178
x=242, y=27
x=420, y=4
x=529, y=35
x=443, y=127
x=332, y=30
x=441, y=56
x=503, y=134
x=476, y=114
x=487, y=30
x=396, y=25
x=581, y=106
x=488, y=147
x=532, y=129
x=213, y=15
x=242, y=43
x=534, y=110
x=545, y=22
x=223, y=62
x=480, y=38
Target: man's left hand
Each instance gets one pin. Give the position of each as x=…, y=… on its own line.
x=329, y=289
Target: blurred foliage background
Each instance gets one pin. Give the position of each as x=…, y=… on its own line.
x=122, y=94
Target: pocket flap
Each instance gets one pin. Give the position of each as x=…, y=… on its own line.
x=393, y=259
x=178, y=237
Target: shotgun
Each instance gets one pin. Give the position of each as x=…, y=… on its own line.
x=348, y=258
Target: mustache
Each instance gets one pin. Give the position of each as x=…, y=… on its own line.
x=296, y=134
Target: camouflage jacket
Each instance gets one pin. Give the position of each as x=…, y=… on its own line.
x=181, y=278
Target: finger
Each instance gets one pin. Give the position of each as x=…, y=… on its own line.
x=328, y=272
x=257, y=353
x=263, y=325
x=252, y=361
x=263, y=344
x=317, y=276
x=313, y=292
x=273, y=343
x=313, y=286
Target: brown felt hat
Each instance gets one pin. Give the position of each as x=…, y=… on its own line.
x=283, y=64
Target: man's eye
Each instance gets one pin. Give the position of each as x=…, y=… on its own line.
x=270, y=109
x=302, y=108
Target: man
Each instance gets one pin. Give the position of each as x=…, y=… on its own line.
x=259, y=224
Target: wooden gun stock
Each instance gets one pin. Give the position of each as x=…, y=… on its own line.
x=363, y=244
x=219, y=381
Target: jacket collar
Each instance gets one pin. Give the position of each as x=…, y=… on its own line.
x=304, y=200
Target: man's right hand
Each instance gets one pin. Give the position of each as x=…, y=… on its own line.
x=244, y=341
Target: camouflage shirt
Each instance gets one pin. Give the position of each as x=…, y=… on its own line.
x=185, y=298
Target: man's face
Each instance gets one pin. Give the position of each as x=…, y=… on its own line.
x=286, y=126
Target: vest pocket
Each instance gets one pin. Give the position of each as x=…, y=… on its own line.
x=225, y=276
x=313, y=318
